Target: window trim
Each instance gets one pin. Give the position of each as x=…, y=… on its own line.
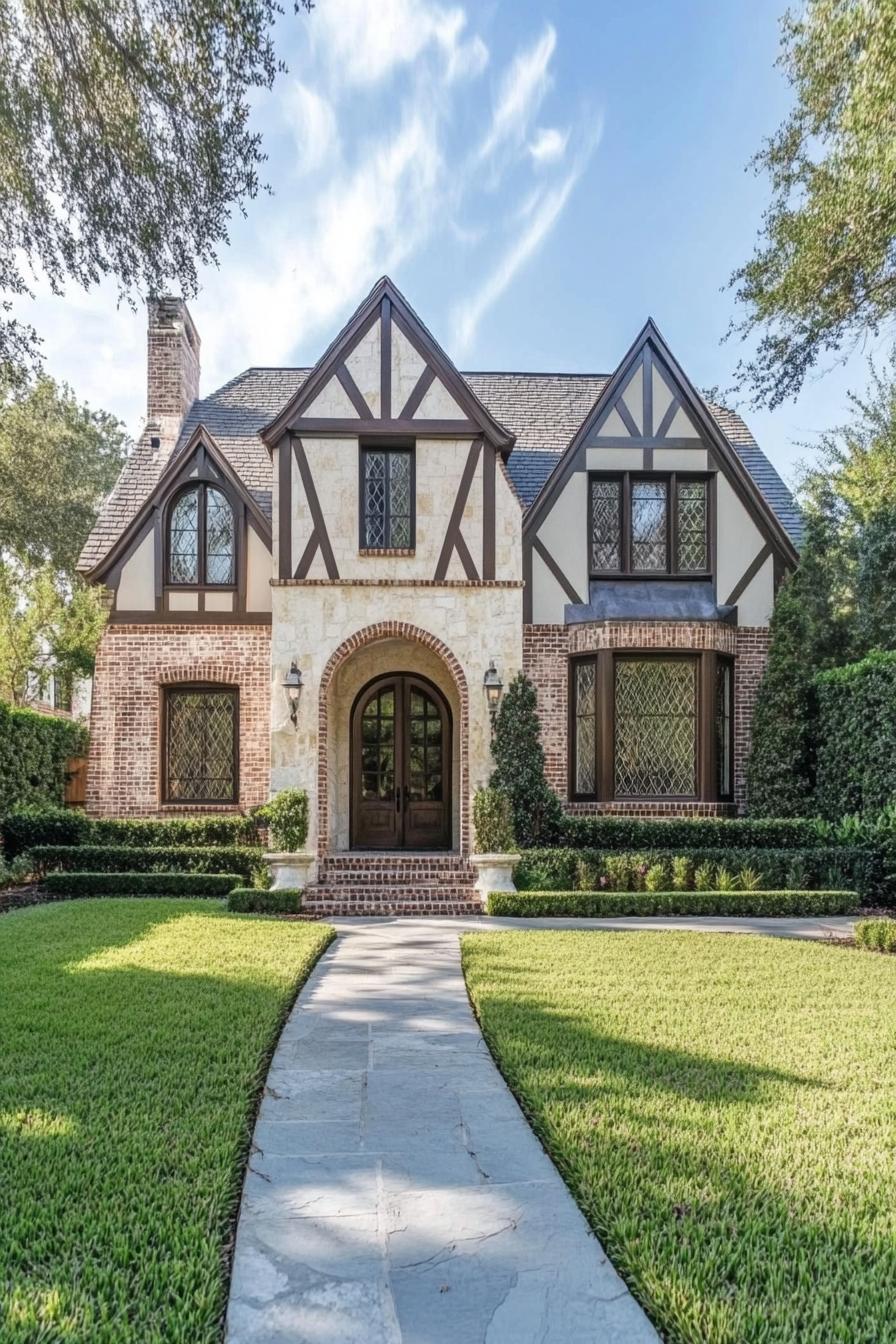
x=205, y=687
x=725, y=795
x=671, y=480
x=409, y=447
x=604, y=661
x=202, y=585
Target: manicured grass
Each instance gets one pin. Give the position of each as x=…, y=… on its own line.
x=134, y=1039
x=724, y=1111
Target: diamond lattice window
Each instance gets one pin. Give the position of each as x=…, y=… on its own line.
x=200, y=755
x=691, y=541
x=656, y=728
x=724, y=727
x=585, y=728
x=606, y=525
x=657, y=524
x=202, y=538
x=650, y=503
x=387, y=499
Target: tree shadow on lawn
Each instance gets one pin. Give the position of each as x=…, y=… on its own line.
x=127, y=1097
x=680, y=1161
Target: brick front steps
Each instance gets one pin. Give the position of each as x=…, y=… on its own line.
x=393, y=884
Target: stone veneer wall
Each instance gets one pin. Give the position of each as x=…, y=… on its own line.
x=133, y=663
x=546, y=653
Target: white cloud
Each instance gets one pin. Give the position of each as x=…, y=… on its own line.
x=548, y=144
x=311, y=121
x=363, y=41
x=520, y=95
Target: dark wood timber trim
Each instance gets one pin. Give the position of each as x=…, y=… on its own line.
x=421, y=387
x=453, y=539
x=284, y=508
x=626, y=415
x=353, y=392
x=527, y=582
x=557, y=572
x=618, y=441
x=748, y=576
x=320, y=528
x=647, y=393
x=489, y=468
x=671, y=411
x=386, y=359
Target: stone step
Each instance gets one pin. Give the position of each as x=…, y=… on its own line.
x=405, y=905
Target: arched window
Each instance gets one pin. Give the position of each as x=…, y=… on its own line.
x=201, y=537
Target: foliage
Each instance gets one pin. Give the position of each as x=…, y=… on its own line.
x=279, y=901
x=718, y=1108
x=34, y=749
x=136, y=1036
x=124, y=141
x=156, y=859
x=286, y=817
x=15, y=871
x=856, y=768
x=613, y=904
x=141, y=884
x=824, y=271
x=519, y=765
x=47, y=627
x=58, y=458
x=705, y=869
x=688, y=832
x=26, y=827
x=876, y=935
x=493, y=822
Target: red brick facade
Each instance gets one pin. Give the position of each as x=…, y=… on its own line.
x=546, y=653
x=172, y=349
x=133, y=665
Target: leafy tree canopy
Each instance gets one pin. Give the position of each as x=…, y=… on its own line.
x=46, y=627
x=124, y=140
x=824, y=270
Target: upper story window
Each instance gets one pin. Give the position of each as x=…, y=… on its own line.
x=656, y=524
x=387, y=499
x=201, y=538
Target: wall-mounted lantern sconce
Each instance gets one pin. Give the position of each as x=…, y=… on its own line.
x=292, y=684
x=493, y=686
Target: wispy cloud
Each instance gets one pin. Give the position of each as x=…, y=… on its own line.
x=361, y=41
x=548, y=144
x=520, y=94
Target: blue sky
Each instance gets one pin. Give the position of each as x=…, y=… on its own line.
x=537, y=177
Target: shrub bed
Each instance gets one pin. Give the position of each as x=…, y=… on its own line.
x=26, y=828
x=156, y=859
x=876, y=935
x=857, y=867
x=253, y=900
x=855, y=736
x=599, y=904
x=34, y=749
x=689, y=833
x=141, y=884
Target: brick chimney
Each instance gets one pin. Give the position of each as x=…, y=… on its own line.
x=172, y=344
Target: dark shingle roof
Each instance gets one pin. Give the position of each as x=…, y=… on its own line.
x=543, y=410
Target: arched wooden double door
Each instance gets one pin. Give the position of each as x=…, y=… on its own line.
x=401, y=765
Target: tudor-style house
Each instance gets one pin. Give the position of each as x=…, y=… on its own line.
x=389, y=528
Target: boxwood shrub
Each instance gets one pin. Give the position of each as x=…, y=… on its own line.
x=856, y=867
x=26, y=828
x=856, y=736
x=876, y=935
x=242, y=859
x=29, y=826
x=252, y=900
x=689, y=833
x=600, y=904
x=141, y=884
x=34, y=749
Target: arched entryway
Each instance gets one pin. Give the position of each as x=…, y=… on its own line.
x=401, y=765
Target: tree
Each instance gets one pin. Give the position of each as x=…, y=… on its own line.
x=46, y=628
x=519, y=765
x=824, y=270
x=58, y=458
x=124, y=140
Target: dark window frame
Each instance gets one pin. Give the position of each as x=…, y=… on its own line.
x=408, y=447
x=202, y=585
x=706, y=746
x=671, y=481
x=724, y=788
x=191, y=688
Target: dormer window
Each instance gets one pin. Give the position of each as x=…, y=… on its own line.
x=649, y=525
x=387, y=499
x=201, y=538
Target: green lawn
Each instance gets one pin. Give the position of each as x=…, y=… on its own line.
x=723, y=1110
x=134, y=1038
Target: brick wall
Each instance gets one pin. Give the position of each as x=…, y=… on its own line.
x=546, y=652
x=172, y=357
x=133, y=664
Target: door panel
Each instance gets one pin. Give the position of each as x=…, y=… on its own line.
x=401, y=765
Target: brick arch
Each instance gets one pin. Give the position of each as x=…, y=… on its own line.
x=372, y=634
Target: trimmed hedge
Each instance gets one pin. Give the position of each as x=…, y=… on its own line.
x=141, y=884
x=855, y=736
x=26, y=828
x=876, y=935
x=856, y=867
x=156, y=859
x=34, y=749
x=253, y=900
x=605, y=904
x=688, y=833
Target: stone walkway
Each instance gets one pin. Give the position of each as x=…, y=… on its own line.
x=395, y=1194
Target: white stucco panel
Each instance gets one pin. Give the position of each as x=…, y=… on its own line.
x=364, y=366
x=259, y=571
x=137, y=586
x=681, y=459
x=738, y=539
x=754, y=606
x=407, y=367
x=633, y=396
x=614, y=459
x=662, y=397
x=564, y=533
x=614, y=426
x=682, y=426
x=332, y=401
x=548, y=598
